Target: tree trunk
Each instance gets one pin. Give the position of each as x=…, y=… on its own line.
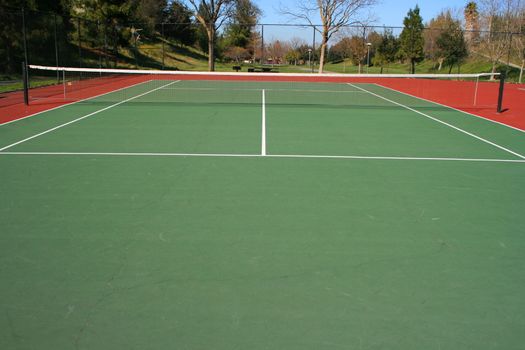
x=360, y=67
x=440, y=64
x=211, y=48
x=324, y=44
x=494, y=63
x=450, y=70
x=321, y=58
x=412, y=66
x=521, y=69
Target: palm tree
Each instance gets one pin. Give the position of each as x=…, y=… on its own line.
x=471, y=22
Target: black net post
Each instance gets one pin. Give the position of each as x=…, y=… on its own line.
x=500, y=93
x=25, y=82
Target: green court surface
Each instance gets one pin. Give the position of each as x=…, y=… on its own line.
x=223, y=215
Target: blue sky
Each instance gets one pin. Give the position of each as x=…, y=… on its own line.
x=387, y=12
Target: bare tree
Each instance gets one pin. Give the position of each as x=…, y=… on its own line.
x=334, y=14
x=211, y=14
x=519, y=37
x=496, y=18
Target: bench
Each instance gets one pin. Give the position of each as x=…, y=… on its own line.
x=263, y=70
x=236, y=68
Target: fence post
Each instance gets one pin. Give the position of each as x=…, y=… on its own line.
x=262, y=44
x=508, y=53
x=24, y=37
x=106, y=43
x=56, y=46
x=79, y=44
x=163, y=40
x=312, y=64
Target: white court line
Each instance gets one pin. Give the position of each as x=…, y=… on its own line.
x=459, y=110
x=444, y=123
x=263, y=126
x=71, y=103
x=83, y=117
x=233, y=155
x=279, y=90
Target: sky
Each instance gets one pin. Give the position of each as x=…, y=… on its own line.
x=387, y=12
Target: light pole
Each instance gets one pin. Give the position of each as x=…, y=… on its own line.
x=368, y=56
x=310, y=58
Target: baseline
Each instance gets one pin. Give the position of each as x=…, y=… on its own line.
x=83, y=117
x=442, y=122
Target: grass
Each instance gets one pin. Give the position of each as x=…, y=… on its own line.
x=473, y=64
x=15, y=83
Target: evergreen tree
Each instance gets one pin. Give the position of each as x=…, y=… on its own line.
x=411, y=38
x=451, y=45
x=243, y=21
x=387, y=49
x=179, y=25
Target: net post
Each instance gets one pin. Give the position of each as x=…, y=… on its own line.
x=500, y=93
x=25, y=83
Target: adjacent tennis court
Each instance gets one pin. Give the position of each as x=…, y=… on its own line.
x=198, y=214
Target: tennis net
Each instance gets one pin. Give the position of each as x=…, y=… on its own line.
x=90, y=85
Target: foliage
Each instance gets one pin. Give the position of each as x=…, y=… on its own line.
x=387, y=50
x=239, y=31
x=451, y=45
x=411, y=38
x=211, y=15
x=179, y=25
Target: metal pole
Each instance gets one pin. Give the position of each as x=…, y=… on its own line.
x=367, y=57
x=79, y=45
x=24, y=37
x=501, y=87
x=163, y=39
x=105, y=44
x=313, y=48
x=508, y=54
x=262, y=44
x=99, y=54
x=56, y=47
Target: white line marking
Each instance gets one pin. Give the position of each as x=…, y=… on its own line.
x=71, y=103
x=279, y=90
x=233, y=155
x=442, y=122
x=83, y=117
x=263, y=126
x=459, y=110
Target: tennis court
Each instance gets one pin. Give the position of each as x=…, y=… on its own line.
x=197, y=214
